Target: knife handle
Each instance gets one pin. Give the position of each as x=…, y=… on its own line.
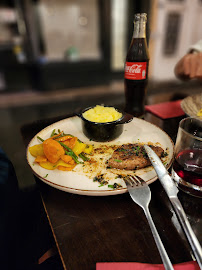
x=193, y=241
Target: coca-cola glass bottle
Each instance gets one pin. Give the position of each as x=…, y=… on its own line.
x=136, y=68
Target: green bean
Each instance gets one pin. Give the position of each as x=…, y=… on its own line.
x=70, y=152
x=83, y=156
x=67, y=148
x=58, y=137
x=74, y=158
x=53, y=133
x=66, y=134
x=40, y=138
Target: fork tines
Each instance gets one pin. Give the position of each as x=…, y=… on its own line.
x=134, y=180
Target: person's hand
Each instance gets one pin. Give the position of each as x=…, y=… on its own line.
x=189, y=67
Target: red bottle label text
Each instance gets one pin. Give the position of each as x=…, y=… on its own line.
x=135, y=70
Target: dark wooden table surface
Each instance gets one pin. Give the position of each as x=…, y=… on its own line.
x=89, y=229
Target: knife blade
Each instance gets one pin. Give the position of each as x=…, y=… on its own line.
x=171, y=190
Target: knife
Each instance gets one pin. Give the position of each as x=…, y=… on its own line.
x=171, y=190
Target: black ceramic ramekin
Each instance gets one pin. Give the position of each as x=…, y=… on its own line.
x=104, y=132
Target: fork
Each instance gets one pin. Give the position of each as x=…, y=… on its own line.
x=141, y=194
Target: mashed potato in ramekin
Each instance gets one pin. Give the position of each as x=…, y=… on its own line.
x=101, y=114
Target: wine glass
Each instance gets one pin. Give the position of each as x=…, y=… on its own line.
x=187, y=166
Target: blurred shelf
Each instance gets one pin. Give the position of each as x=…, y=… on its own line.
x=6, y=45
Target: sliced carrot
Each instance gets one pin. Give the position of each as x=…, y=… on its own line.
x=62, y=168
x=64, y=138
x=62, y=163
x=53, y=150
x=72, y=142
x=40, y=159
x=72, y=162
x=57, y=135
x=66, y=158
x=67, y=142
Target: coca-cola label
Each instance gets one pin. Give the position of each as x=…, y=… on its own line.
x=135, y=70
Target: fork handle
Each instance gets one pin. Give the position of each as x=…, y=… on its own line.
x=164, y=256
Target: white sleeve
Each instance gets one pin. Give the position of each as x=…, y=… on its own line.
x=197, y=46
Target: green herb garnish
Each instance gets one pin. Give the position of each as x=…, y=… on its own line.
x=114, y=186
x=118, y=160
x=164, y=154
x=53, y=133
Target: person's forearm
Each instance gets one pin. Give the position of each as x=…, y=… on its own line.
x=179, y=70
x=189, y=67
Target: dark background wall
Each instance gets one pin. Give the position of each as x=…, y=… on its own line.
x=52, y=75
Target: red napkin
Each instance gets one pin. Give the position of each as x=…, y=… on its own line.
x=145, y=266
x=166, y=109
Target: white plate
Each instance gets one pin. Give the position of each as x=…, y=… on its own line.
x=137, y=130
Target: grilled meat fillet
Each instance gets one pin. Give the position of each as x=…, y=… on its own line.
x=132, y=157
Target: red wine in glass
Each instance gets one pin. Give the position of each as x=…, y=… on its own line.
x=188, y=166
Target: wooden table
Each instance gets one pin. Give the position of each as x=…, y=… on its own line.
x=89, y=229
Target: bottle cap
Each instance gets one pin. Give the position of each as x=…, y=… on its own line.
x=140, y=16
